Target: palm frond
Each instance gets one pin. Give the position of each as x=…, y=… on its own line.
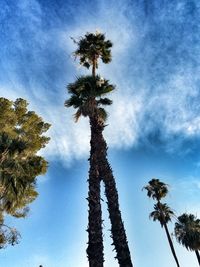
x=86, y=95
x=104, y=101
x=156, y=189
x=102, y=114
x=187, y=231
x=92, y=45
x=77, y=115
x=74, y=101
x=162, y=213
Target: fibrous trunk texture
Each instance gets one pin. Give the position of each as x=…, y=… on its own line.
x=95, y=243
x=118, y=233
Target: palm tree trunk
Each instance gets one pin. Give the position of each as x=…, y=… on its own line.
x=95, y=236
x=94, y=63
x=198, y=256
x=171, y=244
x=117, y=227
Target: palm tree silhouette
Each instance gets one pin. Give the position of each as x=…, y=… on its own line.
x=162, y=213
x=187, y=232
x=87, y=96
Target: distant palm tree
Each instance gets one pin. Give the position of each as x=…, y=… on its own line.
x=187, y=232
x=162, y=213
x=156, y=189
x=87, y=96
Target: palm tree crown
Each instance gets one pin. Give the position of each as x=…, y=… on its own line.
x=86, y=96
x=91, y=47
x=156, y=189
x=161, y=213
x=187, y=231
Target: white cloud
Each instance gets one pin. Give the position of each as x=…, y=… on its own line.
x=172, y=108
x=136, y=111
x=122, y=130
x=70, y=140
x=181, y=116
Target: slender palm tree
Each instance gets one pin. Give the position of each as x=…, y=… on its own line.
x=156, y=189
x=187, y=232
x=87, y=96
x=162, y=213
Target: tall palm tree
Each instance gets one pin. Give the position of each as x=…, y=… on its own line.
x=162, y=213
x=87, y=96
x=187, y=232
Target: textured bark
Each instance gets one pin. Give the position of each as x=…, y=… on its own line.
x=171, y=244
x=198, y=256
x=117, y=227
x=95, y=236
x=105, y=171
x=94, y=63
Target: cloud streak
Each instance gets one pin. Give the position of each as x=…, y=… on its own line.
x=154, y=68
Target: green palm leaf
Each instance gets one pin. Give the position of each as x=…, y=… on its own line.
x=162, y=213
x=187, y=231
x=156, y=189
x=93, y=46
x=104, y=101
x=86, y=96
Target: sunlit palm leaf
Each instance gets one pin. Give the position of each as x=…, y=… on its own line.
x=86, y=95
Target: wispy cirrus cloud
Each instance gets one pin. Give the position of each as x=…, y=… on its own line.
x=154, y=69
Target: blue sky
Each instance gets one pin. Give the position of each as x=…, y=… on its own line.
x=154, y=122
